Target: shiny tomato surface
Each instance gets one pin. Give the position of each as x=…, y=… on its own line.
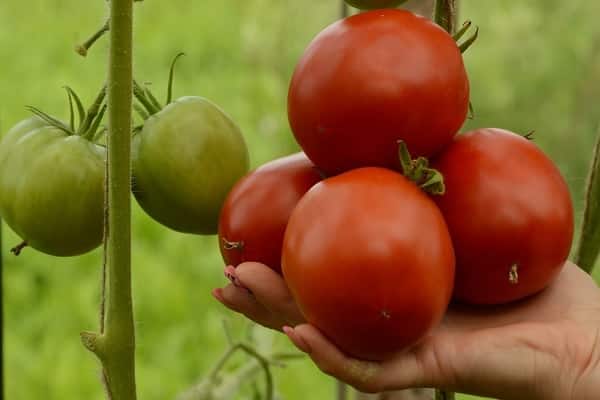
x=369, y=260
x=372, y=79
x=509, y=213
x=257, y=209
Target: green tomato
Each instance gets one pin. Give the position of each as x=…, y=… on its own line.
x=185, y=160
x=373, y=4
x=51, y=189
x=20, y=129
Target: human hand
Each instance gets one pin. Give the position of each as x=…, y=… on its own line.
x=545, y=347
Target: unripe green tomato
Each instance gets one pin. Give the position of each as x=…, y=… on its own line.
x=185, y=160
x=373, y=4
x=51, y=189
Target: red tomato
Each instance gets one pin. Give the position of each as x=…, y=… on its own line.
x=256, y=211
x=369, y=260
x=372, y=79
x=509, y=213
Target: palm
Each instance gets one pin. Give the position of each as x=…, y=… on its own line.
x=513, y=351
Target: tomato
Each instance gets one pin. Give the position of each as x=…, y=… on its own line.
x=509, y=213
x=370, y=4
x=185, y=160
x=257, y=209
x=51, y=188
x=372, y=79
x=369, y=260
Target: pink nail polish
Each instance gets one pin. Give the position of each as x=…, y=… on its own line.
x=230, y=274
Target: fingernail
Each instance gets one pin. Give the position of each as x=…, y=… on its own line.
x=218, y=294
x=298, y=341
x=230, y=274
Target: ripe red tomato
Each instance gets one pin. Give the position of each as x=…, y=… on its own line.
x=509, y=213
x=257, y=209
x=372, y=79
x=369, y=260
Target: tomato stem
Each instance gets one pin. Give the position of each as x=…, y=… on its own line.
x=82, y=49
x=115, y=344
x=444, y=14
x=428, y=179
x=588, y=247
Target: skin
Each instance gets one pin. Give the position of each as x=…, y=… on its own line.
x=256, y=212
x=546, y=347
x=186, y=159
x=372, y=79
x=519, y=215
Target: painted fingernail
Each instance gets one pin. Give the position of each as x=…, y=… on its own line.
x=231, y=275
x=298, y=341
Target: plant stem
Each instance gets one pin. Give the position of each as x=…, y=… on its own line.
x=443, y=395
x=1, y=314
x=341, y=391
x=444, y=14
x=589, y=240
x=119, y=332
x=115, y=347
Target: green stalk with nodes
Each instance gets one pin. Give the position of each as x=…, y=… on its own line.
x=114, y=345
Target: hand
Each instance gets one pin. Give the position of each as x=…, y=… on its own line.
x=545, y=347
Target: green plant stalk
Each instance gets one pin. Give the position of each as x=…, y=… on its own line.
x=1, y=314
x=444, y=14
x=115, y=345
x=119, y=360
x=589, y=240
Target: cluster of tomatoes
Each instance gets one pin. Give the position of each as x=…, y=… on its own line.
x=52, y=173
x=373, y=244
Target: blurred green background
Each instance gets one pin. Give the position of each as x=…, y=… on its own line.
x=535, y=66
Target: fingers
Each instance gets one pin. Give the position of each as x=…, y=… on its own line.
x=363, y=375
x=270, y=290
x=240, y=300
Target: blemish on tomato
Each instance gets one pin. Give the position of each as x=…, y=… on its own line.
x=513, y=274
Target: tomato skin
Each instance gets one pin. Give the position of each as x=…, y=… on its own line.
x=372, y=79
x=372, y=4
x=52, y=189
x=186, y=159
x=369, y=260
x=506, y=203
x=258, y=208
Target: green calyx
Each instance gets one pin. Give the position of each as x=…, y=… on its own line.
x=468, y=42
x=418, y=171
x=148, y=104
x=88, y=122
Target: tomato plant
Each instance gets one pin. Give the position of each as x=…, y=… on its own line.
x=372, y=79
x=186, y=159
x=368, y=258
x=509, y=213
x=257, y=209
x=51, y=182
x=370, y=4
